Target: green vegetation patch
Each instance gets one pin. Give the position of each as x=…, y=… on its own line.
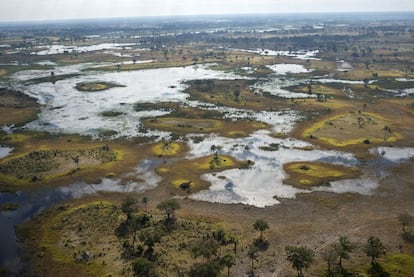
x=307, y=174
x=16, y=107
x=37, y=165
x=77, y=239
x=111, y=113
x=167, y=148
x=160, y=106
x=398, y=264
x=102, y=238
x=352, y=128
x=183, y=126
x=231, y=93
x=96, y=86
x=188, y=172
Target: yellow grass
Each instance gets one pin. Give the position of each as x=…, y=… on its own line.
x=65, y=169
x=345, y=129
x=191, y=170
x=316, y=173
x=178, y=182
x=50, y=238
x=166, y=149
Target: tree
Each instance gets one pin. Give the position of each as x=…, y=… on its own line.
x=206, y=248
x=300, y=257
x=310, y=88
x=261, y=226
x=343, y=249
x=143, y=268
x=387, y=130
x=228, y=261
x=374, y=248
x=127, y=207
x=145, y=200
x=222, y=238
x=233, y=239
x=215, y=150
x=75, y=159
x=169, y=207
x=138, y=223
x=220, y=235
x=150, y=238
x=330, y=257
x=236, y=93
x=207, y=269
x=366, y=82
x=252, y=254
x=405, y=220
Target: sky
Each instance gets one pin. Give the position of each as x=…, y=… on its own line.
x=28, y=10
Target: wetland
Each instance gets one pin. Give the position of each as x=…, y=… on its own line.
x=124, y=148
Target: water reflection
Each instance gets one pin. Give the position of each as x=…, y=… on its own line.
x=32, y=202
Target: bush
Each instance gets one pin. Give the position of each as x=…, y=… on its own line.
x=376, y=270
x=408, y=237
x=208, y=269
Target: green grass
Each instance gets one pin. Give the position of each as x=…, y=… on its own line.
x=399, y=264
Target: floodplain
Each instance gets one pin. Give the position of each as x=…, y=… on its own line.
x=127, y=151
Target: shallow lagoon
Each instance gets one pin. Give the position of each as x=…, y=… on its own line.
x=60, y=49
x=5, y=151
x=68, y=110
x=300, y=54
x=262, y=184
x=33, y=202
x=283, y=68
x=71, y=111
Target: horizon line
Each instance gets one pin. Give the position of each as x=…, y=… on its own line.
x=61, y=20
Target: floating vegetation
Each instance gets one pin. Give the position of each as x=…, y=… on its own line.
x=96, y=86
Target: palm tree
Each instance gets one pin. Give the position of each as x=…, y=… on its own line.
x=228, y=260
x=252, y=254
x=215, y=150
x=299, y=257
x=261, y=226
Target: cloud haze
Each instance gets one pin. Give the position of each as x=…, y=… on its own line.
x=19, y=10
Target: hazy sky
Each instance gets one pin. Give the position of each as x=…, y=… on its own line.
x=18, y=10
